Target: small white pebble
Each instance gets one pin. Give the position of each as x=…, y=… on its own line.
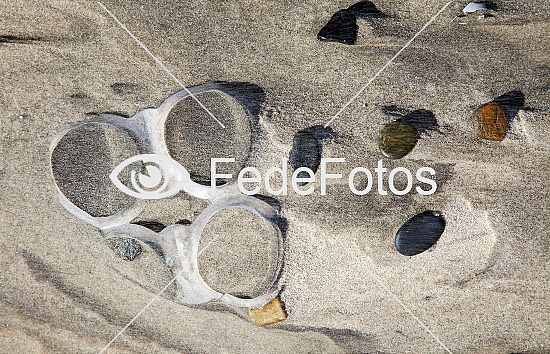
x=473, y=7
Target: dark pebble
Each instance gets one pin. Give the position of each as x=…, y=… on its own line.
x=419, y=233
x=342, y=27
x=126, y=248
x=307, y=147
x=365, y=9
x=151, y=225
x=306, y=152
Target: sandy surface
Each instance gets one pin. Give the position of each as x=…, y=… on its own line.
x=483, y=288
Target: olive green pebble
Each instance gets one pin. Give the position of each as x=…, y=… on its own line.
x=126, y=248
x=397, y=139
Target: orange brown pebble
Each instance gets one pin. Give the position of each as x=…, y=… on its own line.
x=491, y=121
x=270, y=313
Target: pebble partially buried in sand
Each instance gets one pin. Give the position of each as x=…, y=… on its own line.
x=342, y=27
x=491, y=121
x=270, y=313
x=419, y=233
x=126, y=248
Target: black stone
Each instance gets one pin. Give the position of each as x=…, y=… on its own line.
x=151, y=225
x=307, y=148
x=342, y=27
x=306, y=152
x=366, y=9
x=419, y=233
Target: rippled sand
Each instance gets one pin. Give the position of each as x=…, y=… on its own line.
x=483, y=288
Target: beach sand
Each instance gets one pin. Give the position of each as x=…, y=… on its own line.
x=483, y=288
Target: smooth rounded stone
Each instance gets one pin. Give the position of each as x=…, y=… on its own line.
x=397, y=139
x=270, y=313
x=239, y=253
x=479, y=6
x=126, y=248
x=365, y=9
x=473, y=7
x=342, y=27
x=305, y=152
x=419, y=233
x=491, y=121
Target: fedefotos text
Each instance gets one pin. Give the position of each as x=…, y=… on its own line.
x=305, y=185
